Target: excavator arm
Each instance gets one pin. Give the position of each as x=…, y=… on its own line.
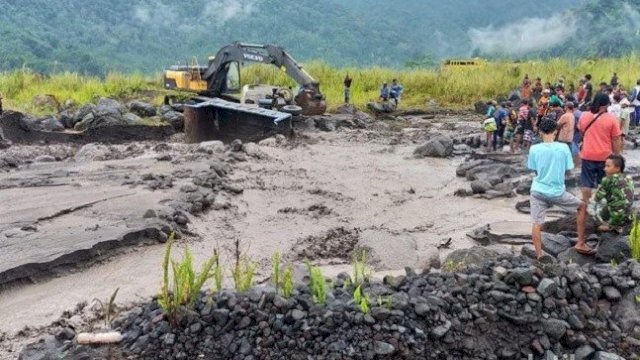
x=309, y=98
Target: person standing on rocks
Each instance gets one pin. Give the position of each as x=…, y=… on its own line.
x=489, y=124
x=0, y=104
x=601, y=136
x=617, y=192
x=588, y=90
x=550, y=160
x=526, y=87
x=537, y=89
x=501, y=116
x=347, y=88
x=635, y=102
x=566, y=126
x=384, y=92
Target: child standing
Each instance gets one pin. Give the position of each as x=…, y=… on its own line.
x=489, y=124
x=616, y=191
x=550, y=160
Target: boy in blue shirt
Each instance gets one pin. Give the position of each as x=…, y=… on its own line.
x=551, y=160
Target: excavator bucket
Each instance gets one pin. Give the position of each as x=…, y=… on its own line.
x=218, y=119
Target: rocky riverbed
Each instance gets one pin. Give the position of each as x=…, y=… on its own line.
x=97, y=214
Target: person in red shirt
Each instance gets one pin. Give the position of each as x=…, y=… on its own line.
x=601, y=137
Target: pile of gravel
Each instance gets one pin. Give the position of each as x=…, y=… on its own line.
x=505, y=309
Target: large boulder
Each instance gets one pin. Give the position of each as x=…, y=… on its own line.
x=28, y=123
x=108, y=112
x=50, y=123
x=440, y=146
x=82, y=112
x=572, y=256
x=480, y=186
x=462, y=258
x=325, y=123
x=555, y=244
x=613, y=247
x=346, y=109
x=45, y=101
x=176, y=119
x=93, y=152
x=110, y=106
x=568, y=223
x=142, y=108
x=132, y=119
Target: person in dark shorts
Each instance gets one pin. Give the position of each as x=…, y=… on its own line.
x=601, y=137
x=550, y=160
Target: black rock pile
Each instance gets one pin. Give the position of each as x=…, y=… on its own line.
x=504, y=309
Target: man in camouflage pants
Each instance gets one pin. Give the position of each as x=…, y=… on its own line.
x=616, y=190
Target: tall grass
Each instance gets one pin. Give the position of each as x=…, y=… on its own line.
x=452, y=87
x=456, y=88
x=20, y=87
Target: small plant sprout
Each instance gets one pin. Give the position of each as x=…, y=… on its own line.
x=243, y=274
x=218, y=272
x=275, y=277
x=362, y=299
x=243, y=271
x=389, y=302
x=634, y=238
x=318, y=283
x=361, y=271
x=109, y=310
x=287, y=281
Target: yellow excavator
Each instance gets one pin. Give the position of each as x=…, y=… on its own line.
x=221, y=79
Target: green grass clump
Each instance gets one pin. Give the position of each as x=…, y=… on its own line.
x=362, y=300
x=185, y=284
x=276, y=275
x=634, y=238
x=283, y=281
x=243, y=274
x=317, y=284
x=361, y=271
x=287, y=281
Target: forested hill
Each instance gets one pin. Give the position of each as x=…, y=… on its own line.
x=95, y=36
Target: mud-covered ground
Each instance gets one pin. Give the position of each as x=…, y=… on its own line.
x=82, y=221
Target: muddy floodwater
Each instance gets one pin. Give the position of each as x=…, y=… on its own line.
x=319, y=198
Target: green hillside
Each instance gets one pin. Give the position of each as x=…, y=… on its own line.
x=98, y=36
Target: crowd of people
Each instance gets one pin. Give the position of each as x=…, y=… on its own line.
x=565, y=127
